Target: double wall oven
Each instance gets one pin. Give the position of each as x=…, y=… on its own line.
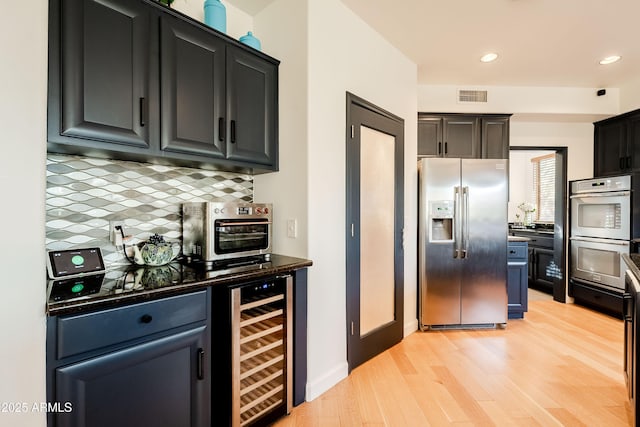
x=600, y=233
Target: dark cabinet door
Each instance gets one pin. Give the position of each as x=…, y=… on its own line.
x=429, y=136
x=158, y=383
x=633, y=143
x=610, y=146
x=460, y=137
x=252, y=105
x=193, y=90
x=495, y=138
x=544, y=268
x=102, y=89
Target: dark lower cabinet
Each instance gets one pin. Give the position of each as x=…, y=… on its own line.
x=517, y=283
x=597, y=297
x=146, y=364
x=541, y=268
x=157, y=383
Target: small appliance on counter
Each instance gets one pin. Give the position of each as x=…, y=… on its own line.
x=222, y=234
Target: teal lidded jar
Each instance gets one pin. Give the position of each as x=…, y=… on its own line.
x=215, y=15
x=250, y=40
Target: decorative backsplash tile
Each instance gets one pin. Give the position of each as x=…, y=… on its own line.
x=86, y=195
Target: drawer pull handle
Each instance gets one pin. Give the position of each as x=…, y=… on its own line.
x=200, y=364
x=512, y=251
x=146, y=318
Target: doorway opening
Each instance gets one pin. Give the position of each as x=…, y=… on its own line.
x=538, y=201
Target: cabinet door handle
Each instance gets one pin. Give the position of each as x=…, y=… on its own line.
x=439, y=148
x=445, y=149
x=233, y=131
x=146, y=318
x=200, y=363
x=221, y=129
x=143, y=111
x=621, y=163
x=628, y=162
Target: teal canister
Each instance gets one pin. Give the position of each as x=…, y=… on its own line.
x=250, y=40
x=215, y=15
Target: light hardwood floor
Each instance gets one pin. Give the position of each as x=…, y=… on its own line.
x=561, y=365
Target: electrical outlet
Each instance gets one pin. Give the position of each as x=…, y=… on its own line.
x=115, y=235
x=292, y=228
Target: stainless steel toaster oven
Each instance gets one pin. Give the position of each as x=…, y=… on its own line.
x=214, y=231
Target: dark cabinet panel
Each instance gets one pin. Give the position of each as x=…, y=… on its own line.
x=151, y=384
x=252, y=103
x=616, y=147
x=133, y=80
x=429, y=136
x=517, y=283
x=495, y=138
x=142, y=364
x=460, y=137
x=544, y=268
x=101, y=86
x=193, y=90
x=463, y=136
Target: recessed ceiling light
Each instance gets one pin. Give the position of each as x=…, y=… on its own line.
x=489, y=57
x=610, y=60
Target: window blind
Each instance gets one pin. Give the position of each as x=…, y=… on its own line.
x=544, y=178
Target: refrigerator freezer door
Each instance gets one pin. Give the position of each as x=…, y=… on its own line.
x=439, y=271
x=485, y=229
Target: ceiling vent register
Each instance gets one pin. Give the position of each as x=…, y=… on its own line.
x=472, y=96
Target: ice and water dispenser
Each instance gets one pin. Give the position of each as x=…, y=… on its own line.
x=441, y=220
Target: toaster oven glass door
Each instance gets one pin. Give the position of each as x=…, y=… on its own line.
x=240, y=236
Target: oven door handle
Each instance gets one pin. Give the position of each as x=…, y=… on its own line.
x=605, y=241
x=227, y=224
x=603, y=194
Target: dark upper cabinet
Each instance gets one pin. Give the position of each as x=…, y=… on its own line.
x=252, y=105
x=134, y=80
x=192, y=67
x=463, y=136
x=460, y=137
x=495, y=137
x=102, y=84
x=429, y=136
x=616, y=147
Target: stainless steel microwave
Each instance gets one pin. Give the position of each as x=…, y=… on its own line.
x=216, y=231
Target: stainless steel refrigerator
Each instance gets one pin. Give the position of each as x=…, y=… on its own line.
x=463, y=242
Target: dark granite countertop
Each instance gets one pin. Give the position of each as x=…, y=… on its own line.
x=131, y=284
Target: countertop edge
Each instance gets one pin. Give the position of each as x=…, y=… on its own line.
x=81, y=306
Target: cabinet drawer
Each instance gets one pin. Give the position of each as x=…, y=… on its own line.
x=86, y=332
x=602, y=299
x=516, y=252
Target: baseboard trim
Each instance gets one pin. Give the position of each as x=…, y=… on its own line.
x=316, y=388
x=410, y=327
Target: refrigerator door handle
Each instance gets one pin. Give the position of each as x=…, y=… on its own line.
x=465, y=223
x=456, y=222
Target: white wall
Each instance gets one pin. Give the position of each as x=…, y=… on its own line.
x=23, y=85
x=578, y=137
x=345, y=54
x=521, y=180
x=630, y=96
x=521, y=100
x=288, y=189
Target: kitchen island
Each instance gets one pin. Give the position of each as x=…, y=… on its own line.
x=152, y=346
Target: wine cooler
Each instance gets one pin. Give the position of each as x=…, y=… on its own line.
x=261, y=351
